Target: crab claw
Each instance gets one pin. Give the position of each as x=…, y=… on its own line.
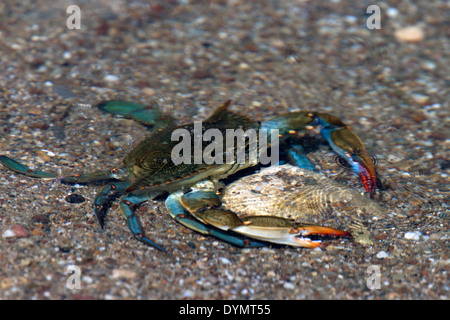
x=366, y=170
x=348, y=145
x=302, y=232
x=285, y=231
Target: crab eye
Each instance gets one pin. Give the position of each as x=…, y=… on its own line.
x=342, y=162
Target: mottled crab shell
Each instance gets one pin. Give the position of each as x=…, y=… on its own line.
x=152, y=168
x=305, y=196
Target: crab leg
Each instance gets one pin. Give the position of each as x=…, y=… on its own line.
x=115, y=189
x=298, y=156
x=114, y=186
x=149, y=116
x=127, y=206
x=97, y=177
x=22, y=169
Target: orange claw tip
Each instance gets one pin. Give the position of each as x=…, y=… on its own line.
x=324, y=231
x=308, y=243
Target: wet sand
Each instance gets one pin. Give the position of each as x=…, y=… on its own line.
x=268, y=57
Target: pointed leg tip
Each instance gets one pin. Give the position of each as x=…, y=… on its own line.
x=100, y=219
x=163, y=250
x=101, y=225
x=159, y=248
x=149, y=242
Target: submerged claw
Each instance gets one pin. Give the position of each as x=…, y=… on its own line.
x=350, y=147
x=285, y=231
x=22, y=169
x=311, y=229
x=366, y=171
x=340, y=137
x=301, y=235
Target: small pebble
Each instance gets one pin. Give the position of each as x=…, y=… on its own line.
x=188, y=294
x=224, y=260
x=40, y=218
x=34, y=111
x=17, y=231
x=43, y=155
x=20, y=231
x=382, y=255
x=429, y=65
x=111, y=78
x=75, y=198
x=244, y=66
x=288, y=285
x=270, y=274
x=123, y=274
x=413, y=235
x=410, y=34
x=421, y=99
x=8, y=234
x=50, y=153
x=435, y=236
x=149, y=91
x=392, y=12
x=419, y=116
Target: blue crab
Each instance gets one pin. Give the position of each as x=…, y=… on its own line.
x=148, y=171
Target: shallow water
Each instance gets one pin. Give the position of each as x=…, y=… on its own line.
x=268, y=57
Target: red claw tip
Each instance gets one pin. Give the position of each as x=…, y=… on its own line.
x=369, y=180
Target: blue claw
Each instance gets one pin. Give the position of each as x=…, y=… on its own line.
x=348, y=145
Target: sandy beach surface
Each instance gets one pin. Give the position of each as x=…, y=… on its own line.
x=390, y=84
